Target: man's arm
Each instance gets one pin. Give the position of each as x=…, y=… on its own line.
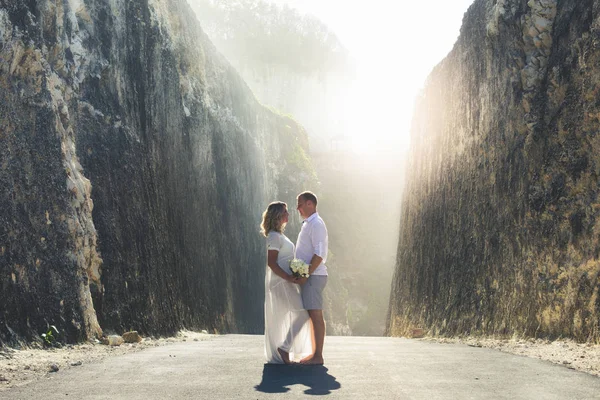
x=314, y=263
x=318, y=240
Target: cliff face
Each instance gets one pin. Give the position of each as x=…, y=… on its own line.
x=499, y=222
x=134, y=166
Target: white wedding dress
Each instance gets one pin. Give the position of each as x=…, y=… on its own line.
x=287, y=323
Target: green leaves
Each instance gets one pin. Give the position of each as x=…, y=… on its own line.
x=50, y=336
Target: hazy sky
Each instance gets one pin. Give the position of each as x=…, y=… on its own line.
x=395, y=45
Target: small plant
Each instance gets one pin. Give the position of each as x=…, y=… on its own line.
x=50, y=336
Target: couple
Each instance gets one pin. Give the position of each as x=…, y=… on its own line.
x=294, y=324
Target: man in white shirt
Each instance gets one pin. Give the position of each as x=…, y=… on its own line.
x=312, y=249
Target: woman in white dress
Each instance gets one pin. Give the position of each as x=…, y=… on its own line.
x=287, y=326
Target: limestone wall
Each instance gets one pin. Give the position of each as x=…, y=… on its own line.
x=134, y=166
x=499, y=230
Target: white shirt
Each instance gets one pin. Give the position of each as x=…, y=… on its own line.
x=312, y=240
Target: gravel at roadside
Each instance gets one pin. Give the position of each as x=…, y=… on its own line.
x=583, y=357
x=20, y=367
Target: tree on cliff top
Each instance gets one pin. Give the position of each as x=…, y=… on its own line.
x=261, y=34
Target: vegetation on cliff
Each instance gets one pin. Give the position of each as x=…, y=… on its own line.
x=261, y=35
x=291, y=61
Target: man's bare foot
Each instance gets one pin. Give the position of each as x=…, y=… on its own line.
x=312, y=360
x=285, y=356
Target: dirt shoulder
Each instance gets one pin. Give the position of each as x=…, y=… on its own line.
x=583, y=357
x=20, y=367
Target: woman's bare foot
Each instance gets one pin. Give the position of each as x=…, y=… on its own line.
x=312, y=360
x=285, y=356
x=305, y=359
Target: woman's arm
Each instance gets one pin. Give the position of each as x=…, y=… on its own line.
x=272, y=263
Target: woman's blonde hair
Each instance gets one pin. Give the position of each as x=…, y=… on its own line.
x=271, y=218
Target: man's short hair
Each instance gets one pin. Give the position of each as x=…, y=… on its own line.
x=307, y=195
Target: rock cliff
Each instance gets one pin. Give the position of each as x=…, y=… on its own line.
x=134, y=166
x=499, y=221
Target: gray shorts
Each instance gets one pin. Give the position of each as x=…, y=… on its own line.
x=312, y=292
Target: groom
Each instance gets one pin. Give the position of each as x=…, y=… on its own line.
x=312, y=249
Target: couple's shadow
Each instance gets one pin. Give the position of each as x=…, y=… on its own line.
x=277, y=377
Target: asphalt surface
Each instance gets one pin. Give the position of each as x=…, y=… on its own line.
x=232, y=367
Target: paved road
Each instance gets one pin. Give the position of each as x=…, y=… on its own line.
x=232, y=367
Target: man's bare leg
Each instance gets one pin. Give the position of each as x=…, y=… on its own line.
x=318, y=323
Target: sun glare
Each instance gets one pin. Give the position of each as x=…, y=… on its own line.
x=394, y=51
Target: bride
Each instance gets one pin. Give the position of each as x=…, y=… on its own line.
x=287, y=326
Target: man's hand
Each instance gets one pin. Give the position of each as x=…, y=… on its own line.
x=300, y=281
x=314, y=263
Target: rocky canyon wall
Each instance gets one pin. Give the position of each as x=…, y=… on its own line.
x=499, y=220
x=134, y=166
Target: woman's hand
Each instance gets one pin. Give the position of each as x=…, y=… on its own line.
x=300, y=281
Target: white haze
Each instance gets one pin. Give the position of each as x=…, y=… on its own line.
x=395, y=45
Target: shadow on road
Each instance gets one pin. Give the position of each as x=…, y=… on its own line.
x=278, y=377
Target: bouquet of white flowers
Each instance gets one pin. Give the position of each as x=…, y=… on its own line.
x=299, y=268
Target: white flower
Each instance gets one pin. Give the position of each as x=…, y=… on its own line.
x=299, y=268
